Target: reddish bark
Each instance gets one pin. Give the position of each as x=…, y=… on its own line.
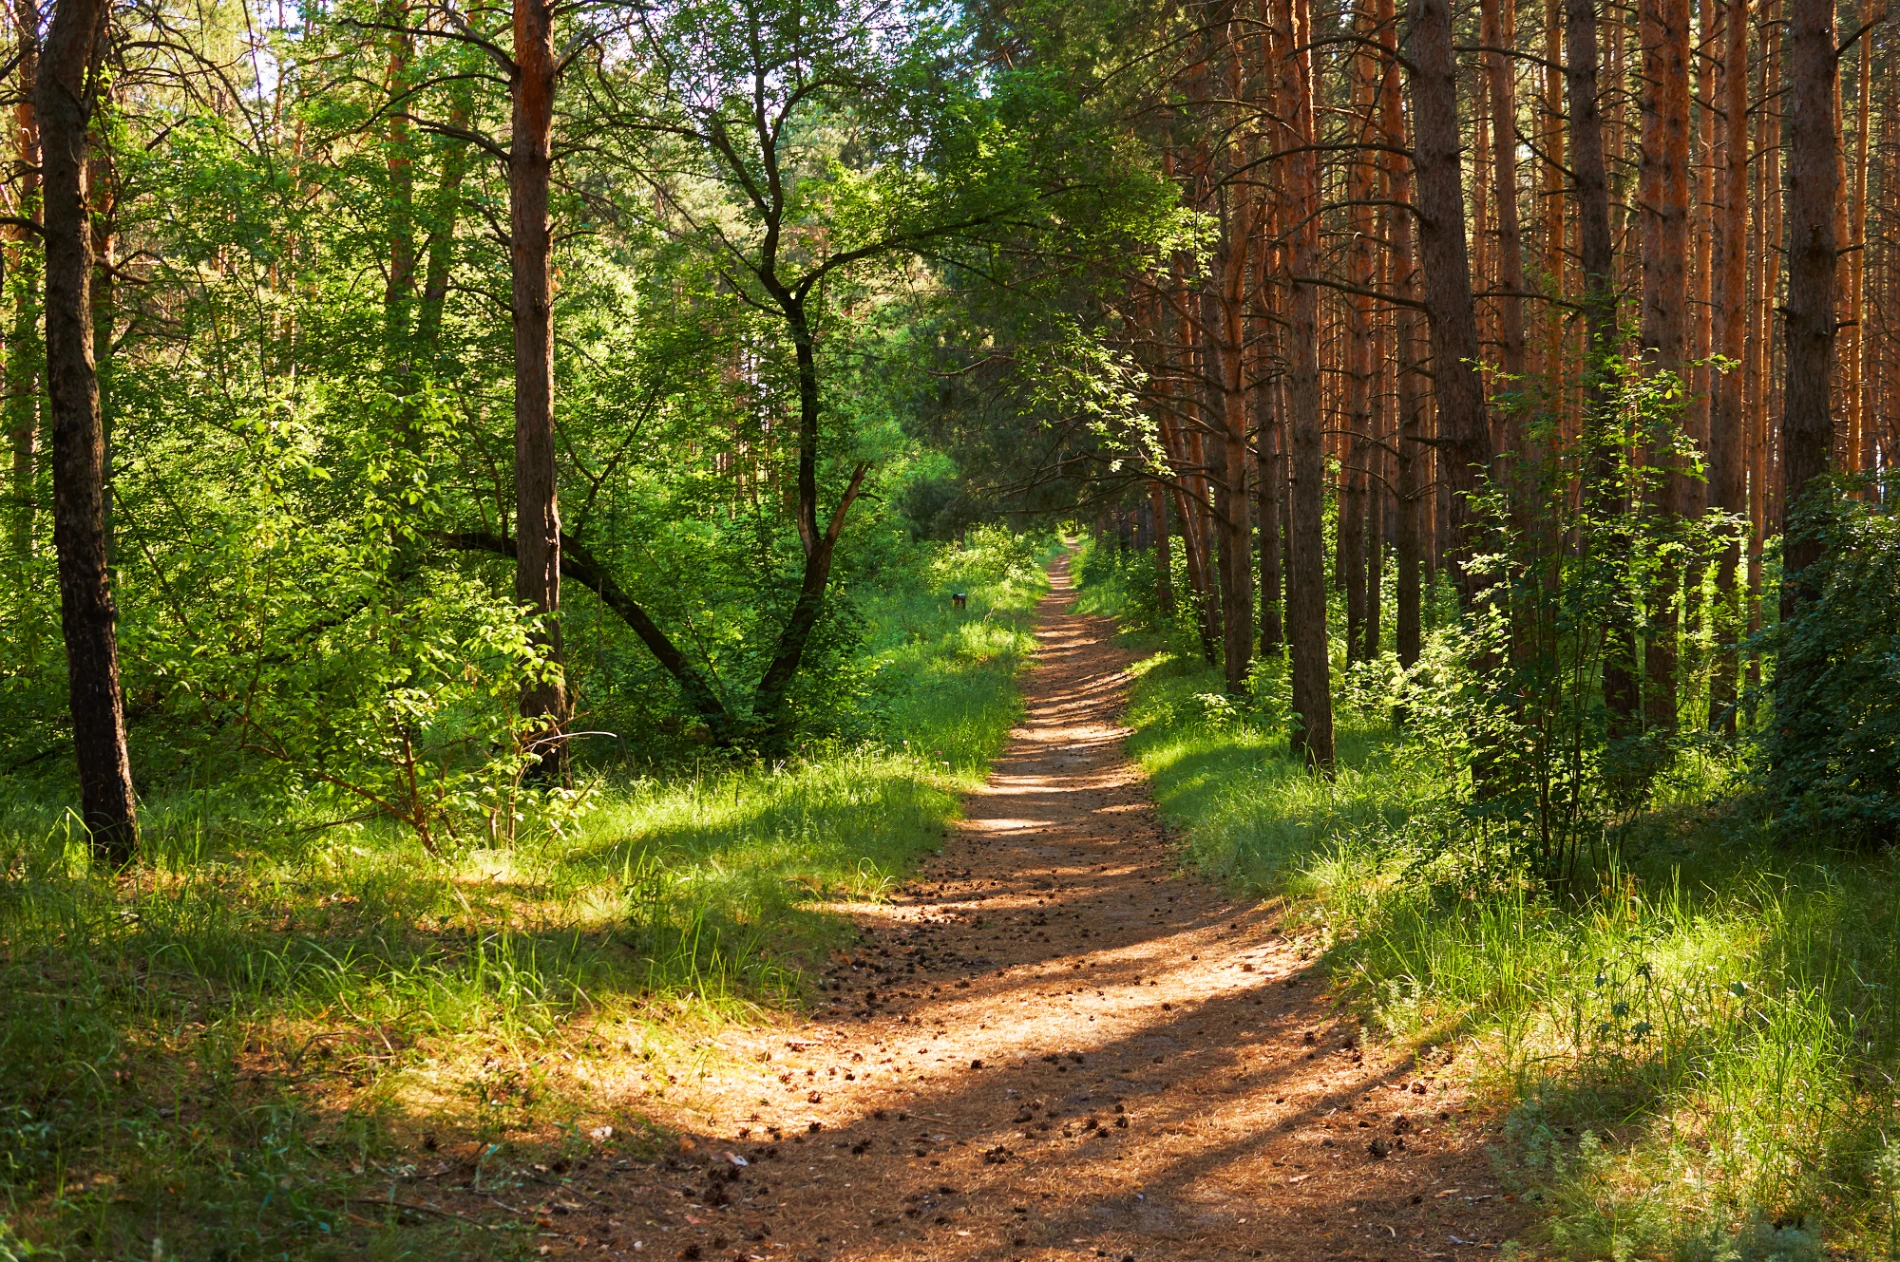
x=1306, y=578
x=1728, y=469
x=1807, y=424
x=1409, y=456
x=537, y=502
x=1663, y=196
x=1464, y=437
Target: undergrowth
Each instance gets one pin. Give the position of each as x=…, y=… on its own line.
x=1695, y=1053
x=245, y=1047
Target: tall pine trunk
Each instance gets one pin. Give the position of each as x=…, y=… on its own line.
x=1464, y=436
x=1312, y=736
x=65, y=99
x=23, y=351
x=1807, y=426
x=1164, y=552
x=1728, y=468
x=1663, y=198
x=1411, y=489
x=1597, y=261
x=537, y=501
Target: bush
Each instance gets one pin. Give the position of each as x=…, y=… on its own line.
x=1831, y=757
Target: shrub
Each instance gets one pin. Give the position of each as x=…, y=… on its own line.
x=1831, y=757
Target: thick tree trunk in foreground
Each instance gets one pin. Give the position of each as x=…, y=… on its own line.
x=1807, y=427
x=87, y=616
x=1464, y=434
x=537, y=502
x=1306, y=580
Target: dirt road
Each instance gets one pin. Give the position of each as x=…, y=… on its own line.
x=1057, y=1044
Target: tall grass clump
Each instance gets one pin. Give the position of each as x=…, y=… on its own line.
x=238, y=1047
x=1691, y=1026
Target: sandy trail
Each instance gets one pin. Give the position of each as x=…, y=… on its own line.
x=1055, y=1044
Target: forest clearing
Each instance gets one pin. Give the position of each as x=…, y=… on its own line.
x=869, y=629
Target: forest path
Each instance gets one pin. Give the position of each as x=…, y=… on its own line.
x=1056, y=1044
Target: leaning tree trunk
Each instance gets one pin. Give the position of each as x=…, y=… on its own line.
x=771, y=709
x=537, y=502
x=1807, y=426
x=87, y=618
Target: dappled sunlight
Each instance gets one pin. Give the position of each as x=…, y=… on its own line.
x=1050, y=1039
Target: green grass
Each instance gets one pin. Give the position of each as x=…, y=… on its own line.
x=236, y=1049
x=1696, y=1060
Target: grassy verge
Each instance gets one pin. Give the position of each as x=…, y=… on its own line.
x=258, y=1043
x=1696, y=1062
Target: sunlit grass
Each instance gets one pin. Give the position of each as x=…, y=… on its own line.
x=218, y=1050
x=1696, y=1060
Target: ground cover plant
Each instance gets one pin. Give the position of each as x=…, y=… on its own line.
x=1694, y=1051
x=240, y=1050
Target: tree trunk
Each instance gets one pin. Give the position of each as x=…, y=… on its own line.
x=22, y=404
x=1768, y=283
x=1464, y=436
x=1269, y=471
x=1362, y=273
x=1555, y=176
x=1663, y=195
x=1270, y=483
x=1312, y=737
x=399, y=286
x=1597, y=260
x=444, y=214
x=1409, y=455
x=1695, y=493
x=1498, y=27
x=102, y=193
x=1857, y=381
x=1807, y=426
x=770, y=710
x=1164, y=553
x=537, y=502
x=64, y=97
x=1223, y=347
x=1728, y=468
x=1375, y=478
